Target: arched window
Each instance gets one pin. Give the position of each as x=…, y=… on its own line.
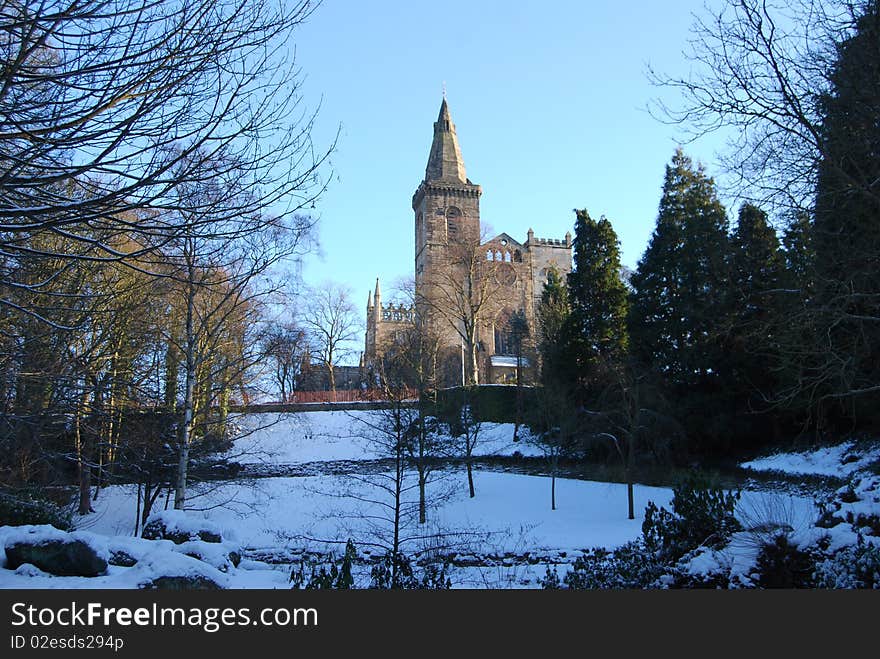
x=507, y=257
x=498, y=256
x=517, y=256
x=489, y=255
x=453, y=220
x=503, y=339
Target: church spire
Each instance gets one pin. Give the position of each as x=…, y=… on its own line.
x=377, y=297
x=445, y=162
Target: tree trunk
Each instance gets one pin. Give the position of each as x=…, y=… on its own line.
x=423, y=517
x=553, y=490
x=185, y=439
x=474, y=363
x=225, y=395
x=519, y=397
x=470, y=474
x=137, y=512
x=172, y=369
x=629, y=496
x=332, y=375
x=84, y=470
x=185, y=432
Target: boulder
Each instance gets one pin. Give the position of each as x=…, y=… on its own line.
x=60, y=557
x=177, y=526
x=121, y=558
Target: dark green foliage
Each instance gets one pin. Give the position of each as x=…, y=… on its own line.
x=488, y=403
x=597, y=295
x=628, y=566
x=20, y=507
x=701, y=515
x=679, y=296
x=553, y=320
x=757, y=317
x=782, y=564
x=680, y=304
x=395, y=572
x=332, y=575
x=846, y=230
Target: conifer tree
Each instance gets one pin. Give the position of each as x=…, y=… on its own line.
x=598, y=296
x=678, y=303
x=756, y=298
x=846, y=230
x=553, y=313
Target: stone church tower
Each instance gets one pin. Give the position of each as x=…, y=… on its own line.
x=451, y=257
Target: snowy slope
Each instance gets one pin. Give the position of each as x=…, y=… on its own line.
x=838, y=461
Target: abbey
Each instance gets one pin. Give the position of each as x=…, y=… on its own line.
x=468, y=286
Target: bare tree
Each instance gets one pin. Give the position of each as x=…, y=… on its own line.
x=332, y=323
x=107, y=108
x=631, y=415
x=464, y=294
x=213, y=270
x=464, y=425
x=555, y=425
x=285, y=345
x=759, y=69
x=410, y=363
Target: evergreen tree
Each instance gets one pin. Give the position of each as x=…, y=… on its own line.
x=553, y=313
x=846, y=231
x=598, y=296
x=679, y=298
x=757, y=301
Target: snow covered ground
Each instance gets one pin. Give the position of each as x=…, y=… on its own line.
x=510, y=519
x=284, y=439
x=838, y=461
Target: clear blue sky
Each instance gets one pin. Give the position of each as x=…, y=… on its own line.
x=549, y=100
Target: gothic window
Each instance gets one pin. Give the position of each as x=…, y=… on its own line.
x=489, y=255
x=498, y=256
x=517, y=256
x=507, y=257
x=503, y=338
x=453, y=220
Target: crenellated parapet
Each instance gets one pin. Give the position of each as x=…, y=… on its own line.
x=397, y=313
x=531, y=241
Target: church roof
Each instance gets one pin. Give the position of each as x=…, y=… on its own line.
x=445, y=162
x=504, y=236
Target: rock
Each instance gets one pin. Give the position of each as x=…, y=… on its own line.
x=62, y=558
x=121, y=558
x=177, y=527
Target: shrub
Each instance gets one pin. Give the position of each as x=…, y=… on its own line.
x=490, y=403
x=395, y=572
x=857, y=566
x=781, y=564
x=702, y=515
x=330, y=576
x=22, y=507
x=629, y=566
